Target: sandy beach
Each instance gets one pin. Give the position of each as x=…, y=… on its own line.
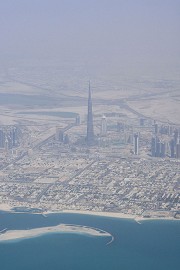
x=5, y=207
x=103, y=214
x=62, y=228
x=138, y=218
x=114, y=215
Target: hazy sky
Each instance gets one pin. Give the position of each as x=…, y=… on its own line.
x=126, y=31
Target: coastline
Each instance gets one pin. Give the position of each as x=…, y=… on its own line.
x=137, y=218
x=10, y=235
x=112, y=215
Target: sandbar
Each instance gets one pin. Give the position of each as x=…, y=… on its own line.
x=10, y=235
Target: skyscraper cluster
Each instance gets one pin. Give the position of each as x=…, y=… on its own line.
x=160, y=148
x=60, y=136
x=8, y=137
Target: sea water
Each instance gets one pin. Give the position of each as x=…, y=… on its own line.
x=149, y=245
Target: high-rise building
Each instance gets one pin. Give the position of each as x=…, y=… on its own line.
x=170, y=130
x=176, y=134
x=90, y=129
x=153, y=146
x=78, y=121
x=136, y=144
x=172, y=148
x=163, y=149
x=66, y=139
x=59, y=134
x=158, y=148
x=2, y=138
x=156, y=128
x=14, y=136
x=6, y=145
x=141, y=121
x=10, y=134
x=103, y=126
x=178, y=150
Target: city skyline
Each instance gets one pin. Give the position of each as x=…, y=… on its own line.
x=89, y=134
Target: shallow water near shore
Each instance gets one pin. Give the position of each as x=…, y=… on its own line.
x=150, y=245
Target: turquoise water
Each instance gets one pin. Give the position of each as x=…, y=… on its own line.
x=151, y=245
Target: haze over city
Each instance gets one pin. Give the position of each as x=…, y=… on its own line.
x=115, y=33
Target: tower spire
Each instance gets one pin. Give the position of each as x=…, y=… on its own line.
x=90, y=129
x=89, y=90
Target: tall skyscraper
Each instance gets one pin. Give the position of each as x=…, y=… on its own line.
x=59, y=134
x=141, y=121
x=172, y=148
x=14, y=136
x=66, y=139
x=90, y=129
x=163, y=149
x=176, y=134
x=158, y=148
x=6, y=145
x=136, y=144
x=78, y=120
x=103, y=126
x=153, y=146
x=2, y=138
x=178, y=150
x=156, y=128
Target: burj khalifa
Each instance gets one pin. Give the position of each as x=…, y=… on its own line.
x=90, y=129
